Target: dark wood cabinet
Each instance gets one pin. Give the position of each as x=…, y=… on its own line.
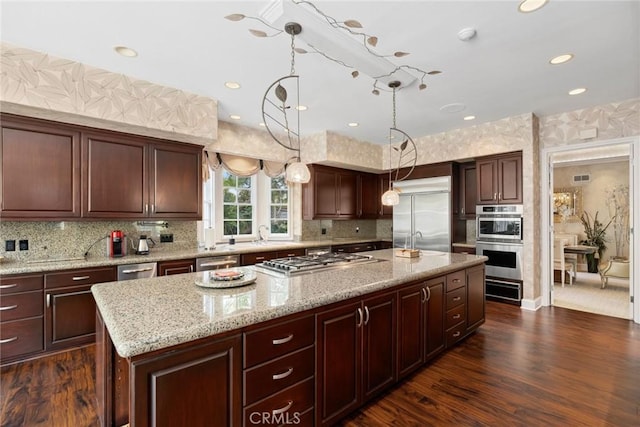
x=40, y=170
x=168, y=268
x=161, y=180
x=464, y=250
x=384, y=212
x=499, y=179
x=354, y=247
x=434, y=330
x=356, y=350
x=70, y=311
x=468, y=190
x=195, y=386
x=368, y=196
x=330, y=194
x=475, y=297
x=257, y=257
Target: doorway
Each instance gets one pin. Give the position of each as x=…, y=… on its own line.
x=592, y=182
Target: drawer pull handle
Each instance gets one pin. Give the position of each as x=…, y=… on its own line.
x=457, y=334
x=456, y=316
x=290, y=255
x=366, y=312
x=457, y=298
x=456, y=280
x=282, y=340
x=9, y=307
x=283, y=409
x=137, y=270
x=8, y=340
x=359, y=312
x=9, y=286
x=424, y=295
x=76, y=278
x=285, y=374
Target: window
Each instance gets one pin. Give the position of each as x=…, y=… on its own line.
x=237, y=206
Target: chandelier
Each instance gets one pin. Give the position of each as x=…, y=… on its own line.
x=281, y=118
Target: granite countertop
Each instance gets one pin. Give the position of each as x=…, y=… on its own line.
x=467, y=244
x=149, y=314
x=37, y=266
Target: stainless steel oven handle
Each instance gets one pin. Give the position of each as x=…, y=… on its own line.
x=137, y=270
x=217, y=263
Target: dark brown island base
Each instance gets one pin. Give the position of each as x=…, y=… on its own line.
x=281, y=350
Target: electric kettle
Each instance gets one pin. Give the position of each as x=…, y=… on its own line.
x=143, y=245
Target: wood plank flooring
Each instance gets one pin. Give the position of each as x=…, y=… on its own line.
x=553, y=367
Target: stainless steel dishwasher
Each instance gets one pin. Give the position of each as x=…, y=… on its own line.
x=137, y=271
x=217, y=262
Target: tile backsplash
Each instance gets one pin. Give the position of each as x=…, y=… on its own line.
x=71, y=239
x=346, y=229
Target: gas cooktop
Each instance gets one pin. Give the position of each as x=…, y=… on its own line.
x=308, y=263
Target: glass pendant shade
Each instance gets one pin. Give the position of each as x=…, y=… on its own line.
x=298, y=172
x=390, y=198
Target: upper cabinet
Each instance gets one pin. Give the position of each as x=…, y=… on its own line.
x=499, y=179
x=56, y=171
x=40, y=170
x=369, y=201
x=331, y=193
x=385, y=212
x=468, y=190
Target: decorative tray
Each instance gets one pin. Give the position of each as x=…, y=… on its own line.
x=226, y=278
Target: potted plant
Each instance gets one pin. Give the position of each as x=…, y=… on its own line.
x=595, y=233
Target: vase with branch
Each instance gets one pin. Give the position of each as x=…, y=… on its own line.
x=595, y=233
x=617, y=202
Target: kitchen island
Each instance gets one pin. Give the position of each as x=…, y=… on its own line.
x=170, y=351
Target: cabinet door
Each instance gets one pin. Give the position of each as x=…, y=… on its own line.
x=434, y=329
x=40, y=170
x=369, y=195
x=379, y=344
x=325, y=193
x=197, y=386
x=347, y=194
x=487, y=180
x=510, y=180
x=339, y=367
x=115, y=182
x=411, y=328
x=385, y=212
x=475, y=297
x=70, y=317
x=468, y=191
x=168, y=268
x=175, y=182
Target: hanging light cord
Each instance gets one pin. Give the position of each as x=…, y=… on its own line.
x=390, y=134
x=293, y=54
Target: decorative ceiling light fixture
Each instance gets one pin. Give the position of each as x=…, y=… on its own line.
x=277, y=114
x=407, y=155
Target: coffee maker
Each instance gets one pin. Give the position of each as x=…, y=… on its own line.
x=116, y=244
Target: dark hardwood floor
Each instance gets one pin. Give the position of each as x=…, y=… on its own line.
x=554, y=367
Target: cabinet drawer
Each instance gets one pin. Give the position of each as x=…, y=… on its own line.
x=268, y=378
x=80, y=277
x=282, y=408
x=291, y=252
x=454, y=334
x=20, y=306
x=455, y=316
x=250, y=259
x=282, y=338
x=456, y=280
x=13, y=284
x=21, y=337
x=456, y=298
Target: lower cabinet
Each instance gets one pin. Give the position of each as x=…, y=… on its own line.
x=70, y=310
x=475, y=297
x=168, y=268
x=356, y=348
x=197, y=386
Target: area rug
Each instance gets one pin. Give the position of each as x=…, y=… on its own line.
x=586, y=295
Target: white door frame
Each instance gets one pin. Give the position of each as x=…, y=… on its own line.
x=546, y=225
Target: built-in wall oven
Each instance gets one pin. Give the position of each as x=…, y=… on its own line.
x=499, y=238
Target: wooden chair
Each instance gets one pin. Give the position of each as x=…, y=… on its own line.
x=572, y=240
x=559, y=262
x=613, y=268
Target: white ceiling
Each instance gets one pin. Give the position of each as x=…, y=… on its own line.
x=502, y=72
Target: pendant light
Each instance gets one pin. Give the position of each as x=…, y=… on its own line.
x=391, y=197
x=285, y=119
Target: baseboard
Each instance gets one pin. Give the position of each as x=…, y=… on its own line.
x=531, y=304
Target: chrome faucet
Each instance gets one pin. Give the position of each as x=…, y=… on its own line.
x=413, y=242
x=262, y=237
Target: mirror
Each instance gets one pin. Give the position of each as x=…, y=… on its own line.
x=567, y=204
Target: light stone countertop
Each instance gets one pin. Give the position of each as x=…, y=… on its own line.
x=149, y=314
x=155, y=255
x=467, y=244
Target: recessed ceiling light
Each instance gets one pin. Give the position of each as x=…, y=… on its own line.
x=301, y=107
x=353, y=124
x=126, y=51
x=527, y=6
x=232, y=85
x=262, y=124
x=456, y=107
x=234, y=117
x=469, y=118
x=561, y=59
x=577, y=91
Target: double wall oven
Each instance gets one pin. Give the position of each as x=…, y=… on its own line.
x=499, y=238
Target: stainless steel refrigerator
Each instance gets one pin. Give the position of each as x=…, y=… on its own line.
x=422, y=219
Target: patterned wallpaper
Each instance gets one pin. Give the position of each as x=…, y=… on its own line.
x=64, y=90
x=614, y=120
